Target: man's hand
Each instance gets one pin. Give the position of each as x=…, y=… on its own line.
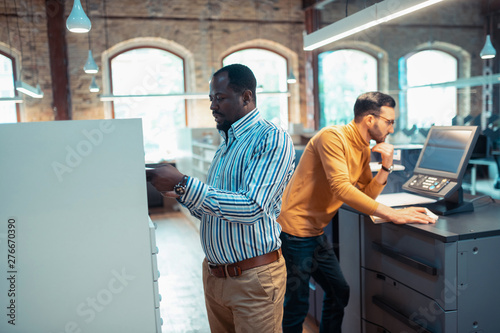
x=406, y=215
x=164, y=178
x=386, y=151
x=412, y=215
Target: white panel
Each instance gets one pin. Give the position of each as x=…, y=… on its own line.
x=76, y=192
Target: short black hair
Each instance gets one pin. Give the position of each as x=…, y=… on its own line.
x=241, y=78
x=370, y=103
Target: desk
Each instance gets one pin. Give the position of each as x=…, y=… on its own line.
x=422, y=278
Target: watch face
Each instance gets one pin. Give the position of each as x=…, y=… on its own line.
x=180, y=190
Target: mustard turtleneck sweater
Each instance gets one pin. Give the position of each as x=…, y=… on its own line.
x=334, y=169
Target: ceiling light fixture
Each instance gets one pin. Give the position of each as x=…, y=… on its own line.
x=90, y=66
x=93, y=85
x=291, y=78
x=78, y=21
x=19, y=84
x=29, y=90
x=488, y=51
x=378, y=13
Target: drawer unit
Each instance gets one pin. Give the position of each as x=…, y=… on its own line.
x=440, y=278
x=420, y=262
x=398, y=308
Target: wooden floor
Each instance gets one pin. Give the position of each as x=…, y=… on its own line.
x=179, y=262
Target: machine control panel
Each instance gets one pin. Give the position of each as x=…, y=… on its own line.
x=428, y=183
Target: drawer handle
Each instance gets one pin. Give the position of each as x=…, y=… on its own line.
x=404, y=259
x=378, y=301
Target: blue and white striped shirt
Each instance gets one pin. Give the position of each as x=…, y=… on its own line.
x=241, y=201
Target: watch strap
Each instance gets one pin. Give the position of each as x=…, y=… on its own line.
x=389, y=169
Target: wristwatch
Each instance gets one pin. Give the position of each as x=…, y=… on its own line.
x=389, y=169
x=180, y=188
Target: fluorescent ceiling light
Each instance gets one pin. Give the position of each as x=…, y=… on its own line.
x=77, y=20
x=364, y=19
x=11, y=100
x=110, y=98
x=29, y=90
x=464, y=82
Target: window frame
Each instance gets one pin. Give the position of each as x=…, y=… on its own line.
x=289, y=66
x=145, y=46
x=13, y=60
x=403, y=85
x=368, y=49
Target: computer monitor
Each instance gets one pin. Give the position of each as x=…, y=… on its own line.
x=441, y=166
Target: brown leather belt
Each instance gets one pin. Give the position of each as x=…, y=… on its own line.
x=235, y=269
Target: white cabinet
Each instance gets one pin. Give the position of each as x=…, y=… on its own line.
x=78, y=253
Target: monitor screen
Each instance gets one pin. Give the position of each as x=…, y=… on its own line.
x=445, y=150
x=443, y=161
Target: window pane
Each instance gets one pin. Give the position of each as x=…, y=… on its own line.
x=427, y=106
x=147, y=71
x=343, y=75
x=270, y=70
x=7, y=110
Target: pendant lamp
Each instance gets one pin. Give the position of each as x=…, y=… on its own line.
x=90, y=66
x=93, y=85
x=78, y=21
x=291, y=78
x=488, y=50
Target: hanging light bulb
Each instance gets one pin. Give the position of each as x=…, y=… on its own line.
x=77, y=20
x=93, y=86
x=90, y=66
x=488, y=50
x=291, y=78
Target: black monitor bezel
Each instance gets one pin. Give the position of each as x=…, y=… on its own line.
x=455, y=176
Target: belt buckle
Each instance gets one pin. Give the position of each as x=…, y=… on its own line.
x=237, y=270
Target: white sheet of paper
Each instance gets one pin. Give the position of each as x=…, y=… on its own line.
x=403, y=199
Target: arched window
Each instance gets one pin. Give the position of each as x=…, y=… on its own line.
x=270, y=70
x=426, y=106
x=8, y=110
x=149, y=72
x=343, y=75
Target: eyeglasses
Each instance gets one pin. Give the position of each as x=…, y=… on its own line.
x=388, y=121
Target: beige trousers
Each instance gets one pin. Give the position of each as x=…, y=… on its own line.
x=251, y=302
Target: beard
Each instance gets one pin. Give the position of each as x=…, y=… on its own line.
x=376, y=134
x=224, y=126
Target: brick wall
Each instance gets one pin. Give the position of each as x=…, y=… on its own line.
x=204, y=31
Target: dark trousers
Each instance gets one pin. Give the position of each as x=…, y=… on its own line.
x=306, y=257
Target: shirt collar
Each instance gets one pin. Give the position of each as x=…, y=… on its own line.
x=239, y=127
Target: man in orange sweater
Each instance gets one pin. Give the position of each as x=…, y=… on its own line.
x=333, y=170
